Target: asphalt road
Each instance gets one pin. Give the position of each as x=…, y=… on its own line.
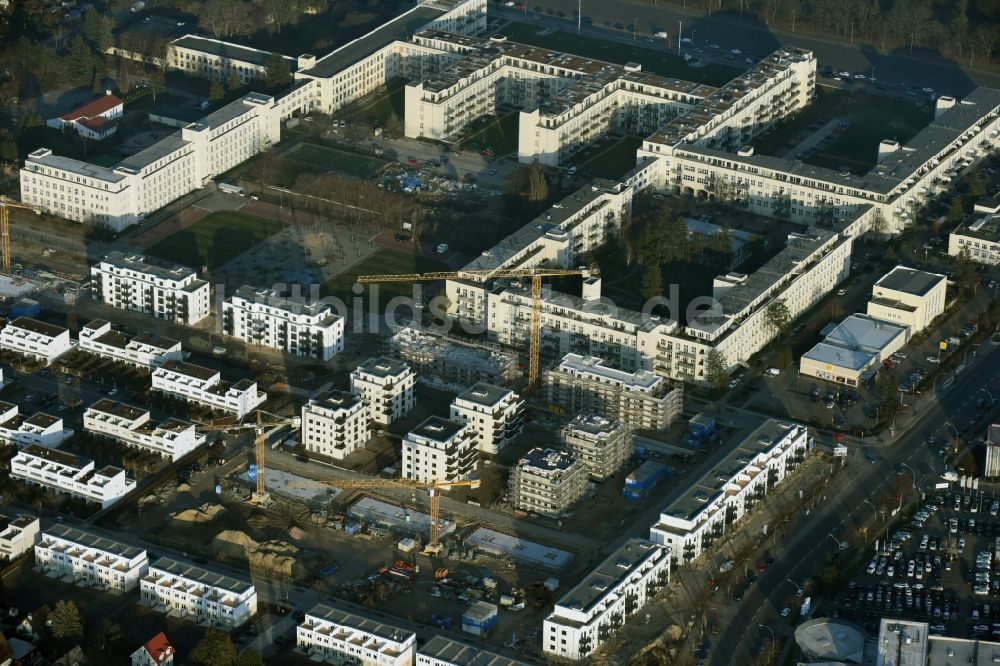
x=729, y=31
x=799, y=553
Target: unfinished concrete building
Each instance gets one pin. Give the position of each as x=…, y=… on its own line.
x=452, y=363
x=601, y=444
x=547, y=482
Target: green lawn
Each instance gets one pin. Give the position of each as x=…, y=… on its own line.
x=496, y=133
x=655, y=60
x=382, y=262
x=379, y=106
x=789, y=132
x=611, y=160
x=215, y=239
x=332, y=159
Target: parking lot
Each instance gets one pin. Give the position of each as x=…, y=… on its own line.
x=940, y=568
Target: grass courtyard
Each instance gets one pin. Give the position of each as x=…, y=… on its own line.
x=496, y=133
x=382, y=262
x=609, y=159
x=655, y=60
x=379, y=106
x=324, y=158
x=215, y=239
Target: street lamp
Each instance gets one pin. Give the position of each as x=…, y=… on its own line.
x=770, y=647
x=798, y=589
x=874, y=508
x=934, y=385
x=916, y=488
x=835, y=539
x=985, y=390
x=965, y=358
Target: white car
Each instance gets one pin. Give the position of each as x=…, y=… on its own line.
x=786, y=611
x=841, y=292
x=933, y=359
x=772, y=372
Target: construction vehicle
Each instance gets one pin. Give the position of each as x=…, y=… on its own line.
x=433, y=489
x=536, y=275
x=6, y=204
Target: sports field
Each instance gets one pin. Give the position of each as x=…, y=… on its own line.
x=215, y=239
x=383, y=262
x=332, y=159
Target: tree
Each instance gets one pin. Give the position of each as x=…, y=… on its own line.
x=777, y=317
x=216, y=93
x=888, y=389
x=889, y=255
x=108, y=633
x=224, y=18
x=250, y=658
x=652, y=281
x=79, y=61
x=721, y=242
x=529, y=183
x=956, y=212
x=234, y=83
x=98, y=31
x=214, y=649
x=965, y=270
x=277, y=72
x=66, y=620
x=715, y=369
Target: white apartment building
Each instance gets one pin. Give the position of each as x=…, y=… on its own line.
x=218, y=61
x=198, y=594
x=142, y=351
x=71, y=474
x=642, y=400
x=443, y=651
x=204, y=386
x=979, y=239
x=589, y=614
x=260, y=317
x=90, y=560
x=908, y=298
x=335, y=424
x=493, y=413
x=439, y=450
x=39, y=428
x=386, y=385
x=602, y=445
x=122, y=195
x=18, y=536
x=133, y=426
x=547, y=482
x=334, y=635
x=692, y=523
x=36, y=339
x=129, y=282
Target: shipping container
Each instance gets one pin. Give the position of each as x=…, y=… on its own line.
x=643, y=479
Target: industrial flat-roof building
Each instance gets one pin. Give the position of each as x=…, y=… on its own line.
x=602, y=445
x=493, y=413
x=854, y=350
x=547, y=482
x=336, y=635
x=90, y=560
x=691, y=524
x=201, y=595
x=617, y=588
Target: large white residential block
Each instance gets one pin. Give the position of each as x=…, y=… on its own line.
x=219, y=61
x=334, y=635
x=263, y=318
x=18, y=535
x=444, y=651
x=979, y=240
x=123, y=194
x=602, y=445
x=493, y=413
x=642, y=400
x=204, y=386
x=387, y=388
x=198, y=594
x=133, y=426
x=71, y=474
x=142, y=351
x=36, y=339
x=129, y=282
x=439, y=450
x=586, y=616
x=547, y=482
x=908, y=298
x=694, y=521
x=335, y=424
x=39, y=428
x=90, y=560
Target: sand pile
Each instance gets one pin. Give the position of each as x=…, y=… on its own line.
x=204, y=514
x=270, y=558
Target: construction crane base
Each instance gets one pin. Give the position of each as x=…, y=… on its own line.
x=261, y=499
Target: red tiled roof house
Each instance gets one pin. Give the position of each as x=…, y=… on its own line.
x=94, y=120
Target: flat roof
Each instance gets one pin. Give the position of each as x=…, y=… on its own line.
x=910, y=281
x=190, y=369
x=395, y=516
x=546, y=461
x=485, y=394
x=399, y=29
x=139, y=263
x=902, y=642
x=461, y=654
x=330, y=613
x=610, y=573
x=594, y=424
x=119, y=409
x=204, y=576
x=85, y=169
x=383, y=366
x=165, y=147
x=295, y=306
x=40, y=327
x=839, y=356
x=985, y=228
x=859, y=331
x=438, y=429
x=337, y=400
x=228, y=50
x=53, y=455
x=594, y=367
x=531, y=552
x=91, y=540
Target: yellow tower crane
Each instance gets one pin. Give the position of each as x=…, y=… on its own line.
x=6, y=204
x=536, y=275
x=433, y=489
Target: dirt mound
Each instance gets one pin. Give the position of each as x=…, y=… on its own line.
x=204, y=514
x=296, y=533
x=269, y=558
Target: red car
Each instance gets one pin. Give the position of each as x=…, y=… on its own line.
x=763, y=566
